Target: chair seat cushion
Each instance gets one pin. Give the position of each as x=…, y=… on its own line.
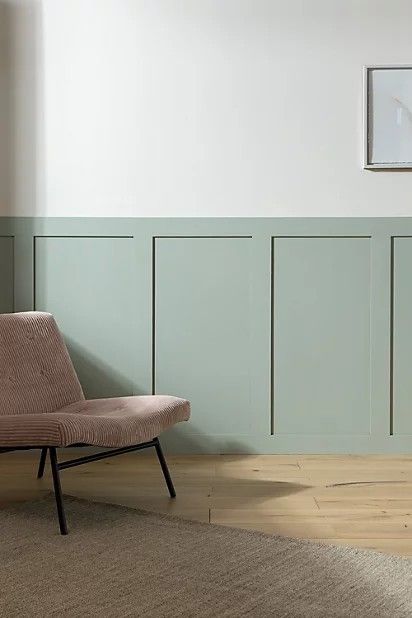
x=114, y=422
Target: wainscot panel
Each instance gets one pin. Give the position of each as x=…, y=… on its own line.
x=321, y=373
x=402, y=337
x=6, y=274
x=90, y=286
x=288, y=335
x=203, y=329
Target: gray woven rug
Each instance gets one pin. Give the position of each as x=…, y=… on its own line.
x=118, y=561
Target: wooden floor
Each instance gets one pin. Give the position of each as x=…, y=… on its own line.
x=347, y=500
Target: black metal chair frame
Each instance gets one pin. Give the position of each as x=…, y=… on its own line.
x=71, y=463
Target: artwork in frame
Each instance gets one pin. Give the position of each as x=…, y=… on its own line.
x=388, y=117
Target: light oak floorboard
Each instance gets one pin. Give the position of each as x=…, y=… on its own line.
x=363, y=501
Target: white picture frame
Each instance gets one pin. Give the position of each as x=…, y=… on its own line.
x=387, y=117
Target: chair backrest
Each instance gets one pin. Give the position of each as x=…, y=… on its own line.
x=36, y=372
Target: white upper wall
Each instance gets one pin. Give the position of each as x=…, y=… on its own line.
x=196, y=107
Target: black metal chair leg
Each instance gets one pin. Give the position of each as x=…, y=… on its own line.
x=165, y=469
x=58, y=491
x=42, y=463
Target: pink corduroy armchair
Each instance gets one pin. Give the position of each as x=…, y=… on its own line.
x=42, y=405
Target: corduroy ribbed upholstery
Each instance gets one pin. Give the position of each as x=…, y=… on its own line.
x=36, y=372
x=42, y=403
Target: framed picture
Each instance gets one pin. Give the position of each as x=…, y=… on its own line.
x=388, y=117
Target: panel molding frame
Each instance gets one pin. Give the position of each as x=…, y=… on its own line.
x=11, y=292
x=131, y=374
x=153, y=280
x=392, y=410
x=272, y=333
x=255, y=376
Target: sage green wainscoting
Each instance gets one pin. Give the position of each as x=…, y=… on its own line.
x=6, y=274
x=203, y=317
x=90, y=281
x=287, y=335
x=402, y=336
x=321, y=336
